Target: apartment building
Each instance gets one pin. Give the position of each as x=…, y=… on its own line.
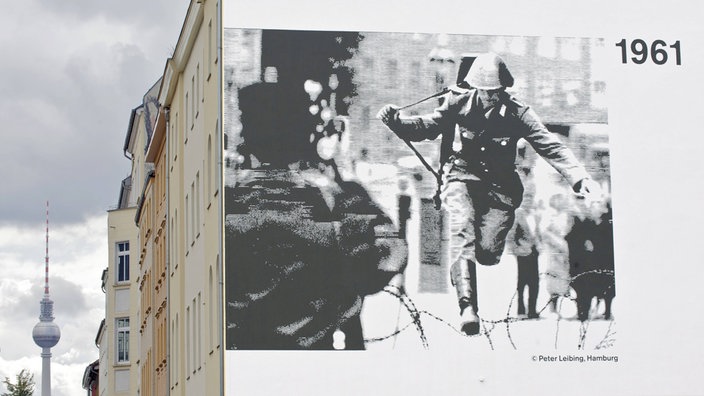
x=150, y=220
x=164, y=311
x=118, y=335
x=187, y=143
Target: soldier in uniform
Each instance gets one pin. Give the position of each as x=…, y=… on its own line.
x=480, y=128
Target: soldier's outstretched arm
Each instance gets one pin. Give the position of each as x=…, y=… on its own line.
x=549, y=146
x=417, y=128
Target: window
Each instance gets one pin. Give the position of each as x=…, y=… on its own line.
x=368, y=65
x=210, y=47
x=176, y=348
x=188, y=117
x=123, y=261
x=194, y=335
x=392, y=73
x=188, y=341
x=193, y=211
x=199, y=334
x=172, y=356
x=197, y=203
x=199, y=90
x=122, y=335
x=416, y=75
x=209, y=170
x=210, y=309
x=176, y=139
x=193, y=102
x=216, y=177
x=218, y=31
x=175, y=242
x=188, y=220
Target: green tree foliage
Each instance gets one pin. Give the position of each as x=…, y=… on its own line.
x=24, y=385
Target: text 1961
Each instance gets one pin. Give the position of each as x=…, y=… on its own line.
x=658, y=52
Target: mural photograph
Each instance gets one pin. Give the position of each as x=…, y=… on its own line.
x=410, y=191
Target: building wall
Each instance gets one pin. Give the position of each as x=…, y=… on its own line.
x=131, y=299
x=121, y=302
x=150, y=258
x=159, y=283
x=146, y=288
x=141, y=322
x=103, y=361
x=172, y=298
x=191, y=92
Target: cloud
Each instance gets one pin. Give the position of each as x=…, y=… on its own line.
x=69, y=298
x=75, y=71
x=137, y=13
x=78, y=254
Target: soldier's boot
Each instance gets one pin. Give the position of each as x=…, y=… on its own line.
x=463, y=274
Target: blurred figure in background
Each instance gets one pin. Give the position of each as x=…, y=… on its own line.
x=404, y=207
x=554, y=225
x=591, y=257
x=524, y=245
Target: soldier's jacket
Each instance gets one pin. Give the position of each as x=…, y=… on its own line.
x=488, y=140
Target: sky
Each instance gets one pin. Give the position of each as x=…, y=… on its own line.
x=70, y=74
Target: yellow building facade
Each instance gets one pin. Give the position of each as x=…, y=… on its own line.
x=180, y=220
x=119, y=336
x=170, y=217
x=119, y=346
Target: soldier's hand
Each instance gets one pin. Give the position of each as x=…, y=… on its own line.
x=590, y=189
x=387, y=114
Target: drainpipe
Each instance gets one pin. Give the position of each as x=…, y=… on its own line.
x=167, y=115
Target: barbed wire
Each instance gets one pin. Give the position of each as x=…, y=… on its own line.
x=488, y=326
x=412, y=310
x=608, y=340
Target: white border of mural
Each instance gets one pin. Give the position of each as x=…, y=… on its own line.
x=657, y=189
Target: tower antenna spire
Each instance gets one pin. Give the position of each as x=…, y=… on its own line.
x=46, y=258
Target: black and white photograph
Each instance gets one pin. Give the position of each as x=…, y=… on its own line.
x=405, y=191
x=460, y=198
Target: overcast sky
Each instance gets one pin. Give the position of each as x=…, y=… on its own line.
x=70, y=74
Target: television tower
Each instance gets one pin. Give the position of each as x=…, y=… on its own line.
x=46, y=333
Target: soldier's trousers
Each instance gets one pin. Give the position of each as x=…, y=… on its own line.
x=477, y=225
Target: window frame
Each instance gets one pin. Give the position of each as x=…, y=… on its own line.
x=122, y=267
x=122, y=340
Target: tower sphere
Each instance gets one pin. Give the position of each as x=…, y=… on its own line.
x=46, y=334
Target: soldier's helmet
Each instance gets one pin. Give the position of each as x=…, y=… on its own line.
x=488, y=72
